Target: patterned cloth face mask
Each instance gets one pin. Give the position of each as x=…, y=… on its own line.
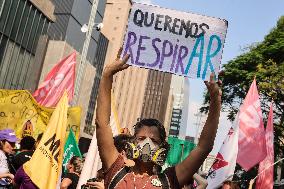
x=146, y=151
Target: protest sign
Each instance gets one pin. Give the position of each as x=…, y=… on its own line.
x=20, y=111
x=177, y=42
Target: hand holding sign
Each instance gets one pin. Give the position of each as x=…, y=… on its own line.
x=213, y=87
x=117, y=65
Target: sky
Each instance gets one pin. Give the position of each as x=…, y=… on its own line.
x=249, y=21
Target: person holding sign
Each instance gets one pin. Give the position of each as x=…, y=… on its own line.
x=149, y=147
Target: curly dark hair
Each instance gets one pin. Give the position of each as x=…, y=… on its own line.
x=153, y=123
x=121, y=140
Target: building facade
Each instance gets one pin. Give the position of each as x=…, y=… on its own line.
x=65, y=37
x=176, y=117
x=22, y=24
x=129, y=86
x=156, y=95
x=71, y=15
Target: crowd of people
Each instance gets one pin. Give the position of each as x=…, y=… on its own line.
x=130, y=161
x=12, y=159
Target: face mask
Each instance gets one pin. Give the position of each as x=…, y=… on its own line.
x=146, y=151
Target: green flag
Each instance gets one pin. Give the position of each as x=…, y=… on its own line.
x=179, y=150
x=70, y=149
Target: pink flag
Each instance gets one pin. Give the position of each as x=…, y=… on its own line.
x=252, y=147
x=59, y=79
x=265, y=178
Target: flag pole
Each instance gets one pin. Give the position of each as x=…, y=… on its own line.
x=268, y=168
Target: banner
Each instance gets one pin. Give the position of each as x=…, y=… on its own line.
x=20, y=112
x=45, y=165
x=172, y=41
x=70, y=149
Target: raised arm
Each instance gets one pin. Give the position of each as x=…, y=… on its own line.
x=187, y=168
x=107, y=150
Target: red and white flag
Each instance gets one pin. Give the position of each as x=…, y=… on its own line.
x=60, y=78
x=252, y=147
x=224, y=165
x=265, y=170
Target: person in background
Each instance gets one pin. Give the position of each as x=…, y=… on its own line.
x=7, y=144
x=27, y=147
x=74, y=168
x=120, y=142
x=22, y=180
x=228, y=184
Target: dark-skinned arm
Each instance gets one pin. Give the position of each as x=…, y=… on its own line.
x=107, y=150
x=187, y=168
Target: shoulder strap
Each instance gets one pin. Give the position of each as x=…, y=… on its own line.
x=164, y=180
x=118, y=177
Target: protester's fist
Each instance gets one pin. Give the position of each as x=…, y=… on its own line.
x=117, y=65
x=213, y=87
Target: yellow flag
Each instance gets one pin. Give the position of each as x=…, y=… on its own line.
x=46, y=162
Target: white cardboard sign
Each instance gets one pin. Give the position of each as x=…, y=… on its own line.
x=177, y=42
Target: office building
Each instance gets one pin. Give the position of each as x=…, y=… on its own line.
x=23, y=25
x=129, y=86
x=156, y=95
x=65, y=37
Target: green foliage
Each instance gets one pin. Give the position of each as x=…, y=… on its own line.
x=265, y=61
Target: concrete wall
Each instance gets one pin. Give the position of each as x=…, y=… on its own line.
x=46, y=7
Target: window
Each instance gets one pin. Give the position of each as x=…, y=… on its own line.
x=2, y=2
x=11, y=17
x=5, y=9
x=15, y=28
x=29, y=27
x=34, y=30
x=38, y=33
x=23, y=22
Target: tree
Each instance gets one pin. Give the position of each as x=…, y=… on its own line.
x=265, y=61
